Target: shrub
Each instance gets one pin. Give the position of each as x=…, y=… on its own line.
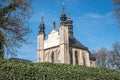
x=12, y=70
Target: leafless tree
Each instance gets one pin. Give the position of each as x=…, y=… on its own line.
x=14, y=15
x=2, y=42
x=108, y=58
x=116, y=4
x=116, y=55
x=100, y=57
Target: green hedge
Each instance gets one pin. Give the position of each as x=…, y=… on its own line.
x=12, y=70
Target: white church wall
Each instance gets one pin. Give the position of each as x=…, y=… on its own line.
x=48, y=53
x=87, y=60
x=53, y=39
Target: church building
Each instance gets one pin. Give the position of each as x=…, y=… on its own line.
x=61, y=46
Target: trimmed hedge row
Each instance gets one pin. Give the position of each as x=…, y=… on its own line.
x=12, y=70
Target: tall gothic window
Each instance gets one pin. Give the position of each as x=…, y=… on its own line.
x=83, y=59
x=91, y=64
x=52, y=57
x=76, y=57
x=71, y=58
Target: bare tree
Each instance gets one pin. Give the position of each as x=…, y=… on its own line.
x=116, y=55
x=108, y=58
x=116, y=4
x=2, y=42
x=100, y=57
x=14, y=15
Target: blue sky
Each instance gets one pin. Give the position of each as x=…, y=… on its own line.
x=94, y=24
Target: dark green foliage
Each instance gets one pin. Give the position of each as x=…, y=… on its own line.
x=48, y=71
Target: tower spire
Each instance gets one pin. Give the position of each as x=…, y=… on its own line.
x=42, y=26
x=68, y=12
x=63, y=17
x=54, y=25
x=69, y=23
x=63, y=7
x=42, y=19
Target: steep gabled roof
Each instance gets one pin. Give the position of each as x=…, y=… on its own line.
x=73, y=42
x=91, y=56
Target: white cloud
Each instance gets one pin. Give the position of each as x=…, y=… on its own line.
x=93, y=20
x=93, y=15
x=97, y=16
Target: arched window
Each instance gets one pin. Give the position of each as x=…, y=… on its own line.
x=52, y=57
x=83, y=59
x=91, y=64
x=71, y=58
x=76, y=57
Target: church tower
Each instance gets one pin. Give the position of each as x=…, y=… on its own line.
x=41, y=38
x=70, y=26
x=64, y=42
